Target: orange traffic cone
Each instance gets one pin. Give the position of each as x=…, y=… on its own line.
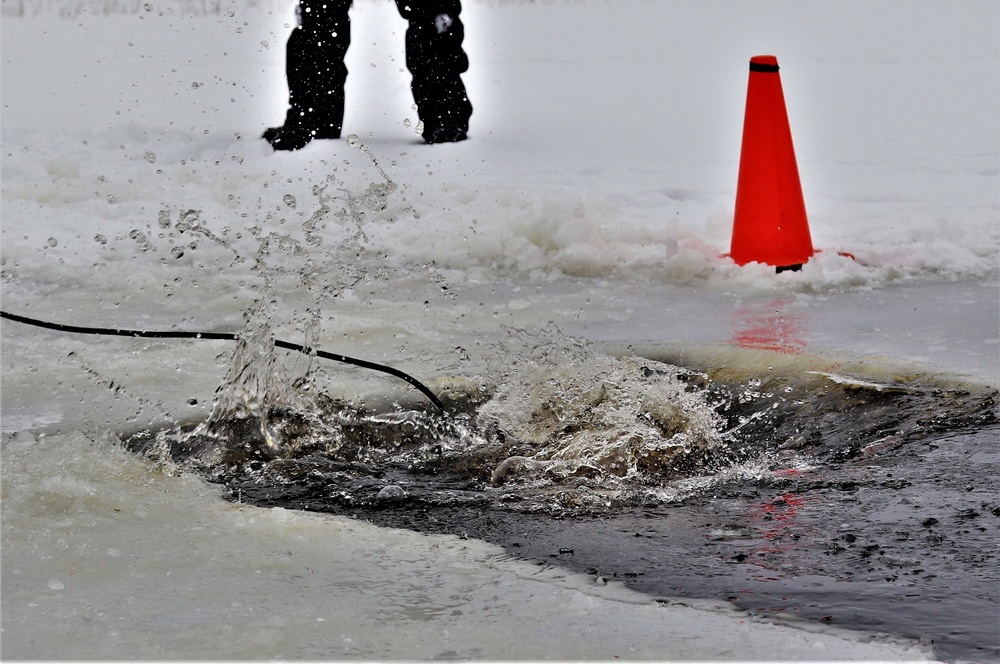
x=770, y=223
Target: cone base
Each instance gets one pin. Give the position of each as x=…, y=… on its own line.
x=790, y=267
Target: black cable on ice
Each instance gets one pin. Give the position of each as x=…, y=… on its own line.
x=225, y=336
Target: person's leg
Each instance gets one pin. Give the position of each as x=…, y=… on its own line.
x=436, y=60
x=316, y=74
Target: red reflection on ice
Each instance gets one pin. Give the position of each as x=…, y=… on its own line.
x=769, y=326
x=779, y=514
x=778, y=526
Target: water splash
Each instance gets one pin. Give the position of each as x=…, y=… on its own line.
x=260, y=412
x=255, y=390
x=575, y=418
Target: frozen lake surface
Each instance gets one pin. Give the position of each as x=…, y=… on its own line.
x=584, y=221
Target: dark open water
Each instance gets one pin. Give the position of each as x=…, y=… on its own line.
x=867, y=505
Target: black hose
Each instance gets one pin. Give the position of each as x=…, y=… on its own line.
x=225, y=336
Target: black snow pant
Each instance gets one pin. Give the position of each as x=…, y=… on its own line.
x=316, y=71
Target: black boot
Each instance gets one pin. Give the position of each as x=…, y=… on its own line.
x=444, y=107
x=288, y=137
x=316, y=74
x=301, y=126
x=445, y=134
x=436, y=60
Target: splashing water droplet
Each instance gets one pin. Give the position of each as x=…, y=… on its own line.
x=406, y=122
x=189, y=220
x=150, y=157
x=100, y=239
x=141, y=238
x=353, y=140
x=112, y=199
x=52, y=242
x=289, y=200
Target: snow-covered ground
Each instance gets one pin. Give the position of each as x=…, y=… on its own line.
x=596, y=191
